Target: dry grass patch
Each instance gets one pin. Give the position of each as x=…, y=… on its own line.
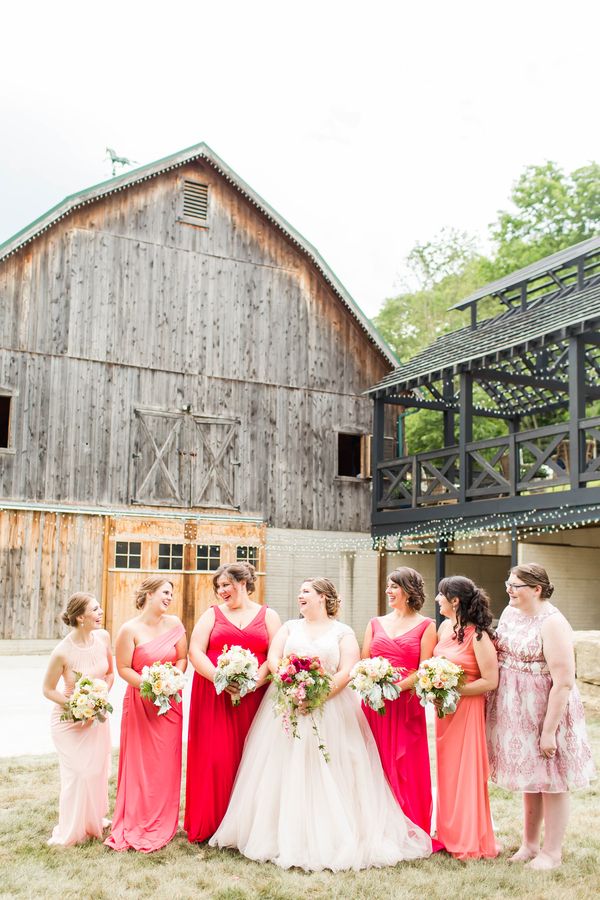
x=30, y=869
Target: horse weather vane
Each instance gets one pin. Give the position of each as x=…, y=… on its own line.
x=119, y=160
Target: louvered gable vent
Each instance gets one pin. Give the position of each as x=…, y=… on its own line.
x=195, y=201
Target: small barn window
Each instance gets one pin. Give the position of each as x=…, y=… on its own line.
x=247, y=554
x=208, y=557
x=5, y=404
x=195, y=203
x=170, y=557
x=128, y=555
x=353, y=455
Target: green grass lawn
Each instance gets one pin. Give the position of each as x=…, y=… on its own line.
x=28, y=868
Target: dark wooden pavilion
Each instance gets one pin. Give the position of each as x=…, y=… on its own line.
x=537, y=361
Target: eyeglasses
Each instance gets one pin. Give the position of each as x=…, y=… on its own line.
x=514, y=587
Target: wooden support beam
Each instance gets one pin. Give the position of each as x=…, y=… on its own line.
x=576, y=408
x=377, y=450
x=552, y=384
x=465, y=432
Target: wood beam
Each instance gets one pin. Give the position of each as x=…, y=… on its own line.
x=377, y=450
x=552, y=384
x=576, y=408
x=465, y=432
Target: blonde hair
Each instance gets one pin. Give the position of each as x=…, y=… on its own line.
x=328, y=590
x=148, y=586
x=76, y=606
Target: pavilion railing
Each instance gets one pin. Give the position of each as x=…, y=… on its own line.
x=525, y=462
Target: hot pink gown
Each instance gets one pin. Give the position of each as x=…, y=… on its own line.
x=83, y=755
x=217, y=729
x=464, y=821
x=401, y=734
x=147, y=807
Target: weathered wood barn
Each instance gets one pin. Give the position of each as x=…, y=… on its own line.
x=181, y=384
x=531, y=494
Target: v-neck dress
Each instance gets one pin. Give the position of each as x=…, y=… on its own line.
x=401, y=734
x=217, y=729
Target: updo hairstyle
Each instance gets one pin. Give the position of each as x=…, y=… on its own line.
x=473, y=606
x=148, y=586
x=412, y=584
x=76, y=606
x=328, y=590
x=240, y=572
x=532, y=575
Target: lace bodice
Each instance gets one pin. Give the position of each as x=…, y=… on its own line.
x=326, y=646
x=519, y=642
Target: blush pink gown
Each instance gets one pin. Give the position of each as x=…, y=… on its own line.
x=147, y=807
x=401, y=734
x=464, y=821
x=83, y=755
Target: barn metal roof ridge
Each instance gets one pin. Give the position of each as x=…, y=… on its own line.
x=151, y=170
x=533, y=270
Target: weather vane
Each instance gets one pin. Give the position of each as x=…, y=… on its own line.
x=119, y=160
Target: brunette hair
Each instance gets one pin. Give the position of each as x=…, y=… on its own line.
x=532, y=575
x=241, y=572
x=328, y=590
x=411, y=583
x=148, y=586
x=76, y=606
x=473, y=606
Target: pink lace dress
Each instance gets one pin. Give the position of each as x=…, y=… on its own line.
x=516, y=711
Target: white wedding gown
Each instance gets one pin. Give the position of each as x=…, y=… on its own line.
x=291, y=807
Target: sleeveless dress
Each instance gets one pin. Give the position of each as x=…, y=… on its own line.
x=83, y=755
x=217, y=729
x=291, y=807
x=401, y=734
x=516, y=712
x=147, y=806
x=464, y=821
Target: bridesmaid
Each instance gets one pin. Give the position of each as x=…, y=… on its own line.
x=83, y=749
x=405, y=637
x=147, y=805
x=217, y=729
x=464, y=822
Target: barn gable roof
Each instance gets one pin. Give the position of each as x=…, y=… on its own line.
x=198, y=152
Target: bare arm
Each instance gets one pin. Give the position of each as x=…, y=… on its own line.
x=487, y=660
x=110, y=673
x=366, y=646
x=558, y=652
x=181, y=650
x=199, y=644
x=125, y=648
x=349, y=656
x=428, y=642
x=276, y=648
x=55, y=669
x=273, y=623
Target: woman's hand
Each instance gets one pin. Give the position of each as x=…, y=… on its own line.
x=548, y=744
x=233, y=689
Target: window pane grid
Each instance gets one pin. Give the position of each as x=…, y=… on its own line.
x=208, y=557
x=128, y=555
x=170, y=557
x=247, y=554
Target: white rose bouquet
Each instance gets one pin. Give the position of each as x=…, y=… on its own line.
x=161, y=683
x=238, y=666
x=375, y=681
x=89, y=701
x=438, y=681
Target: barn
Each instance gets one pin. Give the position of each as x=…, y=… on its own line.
x=182, y=384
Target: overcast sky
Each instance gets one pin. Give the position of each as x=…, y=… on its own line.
x=368, y=126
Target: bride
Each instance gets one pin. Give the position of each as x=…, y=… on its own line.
x=291, y=807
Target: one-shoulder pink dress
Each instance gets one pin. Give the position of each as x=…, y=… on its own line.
x=401, y=734
x=147, y=807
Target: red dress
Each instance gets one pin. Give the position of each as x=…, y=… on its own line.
x=146, y=812
x=218, y=729
x=401, y=735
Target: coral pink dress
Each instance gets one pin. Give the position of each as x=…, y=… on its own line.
x=147, y=806
x=516, y=712
x=217, y=729
x=464, y=822
x=401, y=734
x=83, y=755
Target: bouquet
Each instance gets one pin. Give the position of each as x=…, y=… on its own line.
x=236, y=665
x=89, y=700
x=301, y=682
x=438, y=681
x=374, y=680
x=160, y=683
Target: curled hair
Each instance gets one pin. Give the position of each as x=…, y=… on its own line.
x=240, y=572
x=532, y=575
x=148, y=586
x=411, y=583
x=328, y=590
x=473, y=606
x=76, y=606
